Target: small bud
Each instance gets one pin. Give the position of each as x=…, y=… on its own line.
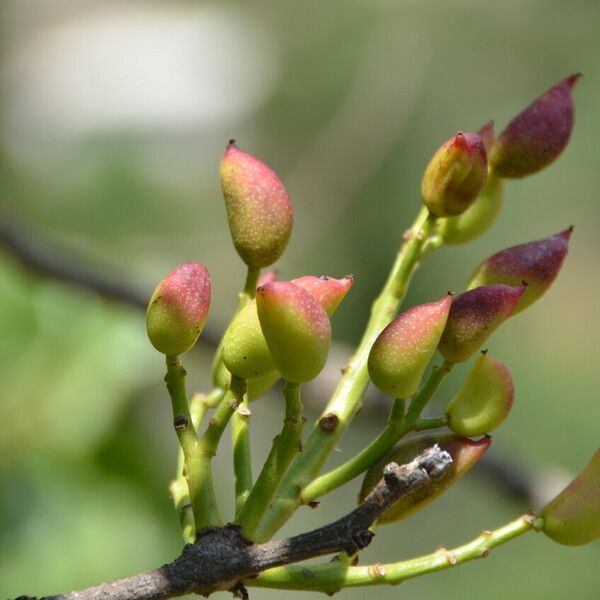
x=455, y=175
x=296, y=328
x=403, y=349
x=464, y=452
x=245, y=350
x=537, y=136
x=178, y=309
x=573, y=517
x=484, y=400
x=474, y=316
x=478, y=218
x=258, y=208
x=538, y=263
x=328, y=291
x=486, y=133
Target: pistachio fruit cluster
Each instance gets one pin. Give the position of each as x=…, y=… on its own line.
x=282, y=330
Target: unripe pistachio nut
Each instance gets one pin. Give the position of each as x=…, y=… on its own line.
x=258, y=207
x=455, y=175
x=477, y=219
x=296, y=328
x=573, y=517
x=328, y=291
x=401, y=352
x=536, y=136
x=538, y=263
x=474, y=316
x=464, y=452
x=178, y=309
x=484, y=400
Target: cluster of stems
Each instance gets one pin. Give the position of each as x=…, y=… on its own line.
x=288, y=478
x=461, y=191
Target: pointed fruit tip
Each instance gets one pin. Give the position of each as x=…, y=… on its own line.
x=573, y=79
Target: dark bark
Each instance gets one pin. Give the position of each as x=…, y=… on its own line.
x=221, y=559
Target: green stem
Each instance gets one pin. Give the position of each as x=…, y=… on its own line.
x=218, y=422
x=331, y=577
x=285, y=446
x=347, y=397
x=182, y=419
x=363, y=460
x=418, y=403
x=198, y=460
x=203, y=499
x=197, y=472
x=435, y=423
x=179, y=487
x=249, y=292
x=242, y=465
x=433, y=243
x=398, y=426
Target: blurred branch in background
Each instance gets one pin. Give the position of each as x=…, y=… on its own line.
x=511, y=480
x=369, y=121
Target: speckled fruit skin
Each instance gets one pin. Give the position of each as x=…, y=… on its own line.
x=573, y=517
x=455, y=175
x=477, y=219
x=464, y=452
x=403, y=349
x=328, y=291
x=484, y=399
x=474, y=316
x=538, y=263
x=178, y=309
x=536, y=136
x=258, y=208
x=245, y=351
x=296, y=328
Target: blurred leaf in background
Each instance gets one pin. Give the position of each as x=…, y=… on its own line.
x=113, y=118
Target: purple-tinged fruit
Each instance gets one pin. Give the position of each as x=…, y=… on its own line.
x=296, y=328
x=486, y=133
x=484, y=400
x=403, y=349
x=474, y=316
x=258, y=208
x=538, y=263
x=328, y=291
x=464, y=452
x=178, y=309
x=455, y=175
x=478, y=218
x=537, y=136
x=573, y=517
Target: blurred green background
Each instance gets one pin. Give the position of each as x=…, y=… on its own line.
x=113, y=117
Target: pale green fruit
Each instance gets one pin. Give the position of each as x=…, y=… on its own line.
x=296, y=328
x=245, y=350
x=484, y=400
x=178, y=309
x=573, y=517
x=477, y=219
